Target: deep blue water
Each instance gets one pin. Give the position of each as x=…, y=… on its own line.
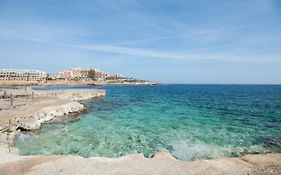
x=191, y=121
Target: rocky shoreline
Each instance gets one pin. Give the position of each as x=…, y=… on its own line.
x=48, y=106
x=45, y=115
x=54, y=105
x=11, y=83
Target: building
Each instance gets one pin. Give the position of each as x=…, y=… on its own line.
x=22, y=75
x=81, y=73
x=51, y=76
x=101, y=75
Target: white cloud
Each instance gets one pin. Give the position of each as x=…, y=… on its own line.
x=54, y=36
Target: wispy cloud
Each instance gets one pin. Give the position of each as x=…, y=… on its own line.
x=203, y=33
x=144, y=53
x=42, y=33
x=203, y=54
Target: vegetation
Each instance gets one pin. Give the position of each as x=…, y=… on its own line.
x=92, y=74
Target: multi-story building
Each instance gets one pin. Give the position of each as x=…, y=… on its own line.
x=22, y=75
x=74, y=73
x=81, y=73
x=100, y=74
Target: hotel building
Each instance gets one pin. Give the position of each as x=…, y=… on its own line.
x=81, y=73
x=22, y=75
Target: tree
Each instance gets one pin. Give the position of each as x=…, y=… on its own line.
x=92, y=74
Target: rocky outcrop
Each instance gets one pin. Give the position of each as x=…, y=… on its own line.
x=46, y=114
x=49, y=105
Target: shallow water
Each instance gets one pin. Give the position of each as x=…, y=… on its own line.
x=191, y=121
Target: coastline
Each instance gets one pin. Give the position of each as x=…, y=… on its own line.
x=55, y=104
x=11, y=83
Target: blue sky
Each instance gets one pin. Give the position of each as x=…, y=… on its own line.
x=169, y=41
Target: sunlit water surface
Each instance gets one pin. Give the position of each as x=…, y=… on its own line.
x=191, y=121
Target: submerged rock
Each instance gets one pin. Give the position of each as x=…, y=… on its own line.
x=273, y=144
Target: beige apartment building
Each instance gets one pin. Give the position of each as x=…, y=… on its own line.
x=22, y=75
x=81, y=73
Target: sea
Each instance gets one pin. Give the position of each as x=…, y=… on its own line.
x=190, y=121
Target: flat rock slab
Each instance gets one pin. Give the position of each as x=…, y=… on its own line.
x=162, y=163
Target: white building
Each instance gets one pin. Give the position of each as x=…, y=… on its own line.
x=22, y=75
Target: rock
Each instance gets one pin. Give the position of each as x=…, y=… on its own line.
x=47, y=114
x=273, y=144
x=163, y=154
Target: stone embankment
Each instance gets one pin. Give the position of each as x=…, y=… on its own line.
x=76, y=95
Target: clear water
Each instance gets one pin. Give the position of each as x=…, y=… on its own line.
x=191, y=121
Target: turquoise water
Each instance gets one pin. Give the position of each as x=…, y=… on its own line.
x=191, y=121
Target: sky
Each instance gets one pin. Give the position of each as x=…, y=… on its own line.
x=168, y=41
